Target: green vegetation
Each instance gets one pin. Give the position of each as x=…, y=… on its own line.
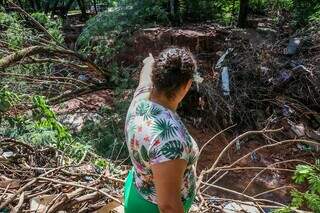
x=31, y=86
x=41, y=126
x=310, y=175
x=111, y=28
x=106, y=136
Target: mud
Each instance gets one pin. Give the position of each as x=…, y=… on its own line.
x=208, y=42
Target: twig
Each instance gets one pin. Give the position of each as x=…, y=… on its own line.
x=268, y=168
x=35, y=22
x=212, y=168
x=216, y=135
x=82, y=186
x=244, y=195
x=4, y=192
x=10, y=199
x=12, y=140
x=272, y=190
x=53, y=78
x=268, y=146
x=19, y=205
x=243, y=202
x=234, y=141
x=52, y=202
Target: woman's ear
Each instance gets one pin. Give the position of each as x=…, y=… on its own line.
x=186, y=87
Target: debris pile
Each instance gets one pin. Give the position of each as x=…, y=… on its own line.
x=259, y=82
x=43, y=180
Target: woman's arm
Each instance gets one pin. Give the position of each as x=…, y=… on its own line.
x=167, y=178
x=146, y=72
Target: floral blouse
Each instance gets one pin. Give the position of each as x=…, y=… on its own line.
x=155, y=134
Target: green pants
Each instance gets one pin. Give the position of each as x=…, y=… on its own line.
x=135, y=203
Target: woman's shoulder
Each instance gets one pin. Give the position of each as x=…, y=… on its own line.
x=150, y=110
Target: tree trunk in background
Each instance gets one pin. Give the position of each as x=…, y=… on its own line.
x=67, y=8
x=19, y=3
x=38, y=5
x=83, y=9
x=95, y=6
x=55, y=5
x=172, y=4
x=32, y=4
x=243, y=13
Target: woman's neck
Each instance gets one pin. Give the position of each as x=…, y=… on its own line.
x=161, y=99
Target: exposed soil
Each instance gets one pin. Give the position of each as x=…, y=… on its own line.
x=208, y=43
x=237, y=180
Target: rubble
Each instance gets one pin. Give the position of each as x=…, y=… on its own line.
x=45, y=180
x=236, y=207
x=293, y=46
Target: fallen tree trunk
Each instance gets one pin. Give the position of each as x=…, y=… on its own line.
x=9, y=60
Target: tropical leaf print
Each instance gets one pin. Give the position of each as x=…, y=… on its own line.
x=137, y=157
x=165, y=129
x=172, y=149
x=189, y=141
x=152, y=113
x=130, y=117
x=131, y=130
x=154, y=153
x=192, y=159
x=144, y=153
x=147, y=190
x=132, y=142
x=142, y=108
x=154, y=134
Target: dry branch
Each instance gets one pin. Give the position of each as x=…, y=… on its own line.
x=81, y=186
x=35, y=50
x=35, y=22
x=215, y=174
x=71, y=186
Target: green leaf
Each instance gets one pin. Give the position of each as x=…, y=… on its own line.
x=313, y=201
x=314, y=182
x=137, y=157
x=165, y=129
x=302, y=172
x=297, y=199
x=172, y=149
x=144, y=153
x=142, y=108
x=152, y=113
x=154, y=153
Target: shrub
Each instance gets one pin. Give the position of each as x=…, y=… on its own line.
x=310, y=175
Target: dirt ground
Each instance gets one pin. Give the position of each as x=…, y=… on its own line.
x=208, y=43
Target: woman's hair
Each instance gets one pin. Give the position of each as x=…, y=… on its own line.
x=173, y=68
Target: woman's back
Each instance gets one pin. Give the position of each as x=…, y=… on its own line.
x=161, y=149
x=156, y=134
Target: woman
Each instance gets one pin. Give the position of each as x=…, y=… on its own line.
x=162, y=151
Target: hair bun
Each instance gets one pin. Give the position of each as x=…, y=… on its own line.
x=174, y=62
x=173, y=67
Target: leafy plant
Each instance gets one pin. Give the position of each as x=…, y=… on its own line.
x=306, y=11
x=107, y=136
x=46, y=118
x=7, y=19
x=309, y=174
x=7, y=100
x=53, y=26
x=16, y=34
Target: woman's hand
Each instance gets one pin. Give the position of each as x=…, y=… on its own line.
x=167, y=178
x=146, y=72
